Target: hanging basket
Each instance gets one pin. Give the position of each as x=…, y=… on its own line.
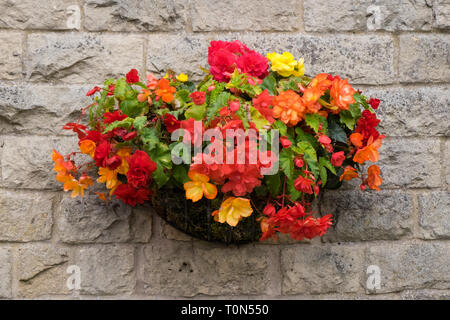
x=196, y=220
x=263, y=111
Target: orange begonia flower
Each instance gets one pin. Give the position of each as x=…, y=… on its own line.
x=232, y=210
x=152, y=82
x=145, y=95
x=88, y=147
x=320, y=82
x=341, y=93
x=77, y=187
x=357, y=139
x=61, y=166
x=108, y=176
x=310, y=98
x=349, y=174
x=374, y=180
x=199, y=187
x=102, y=196
x=288, y=106
x=124, y=153
x=369, y=152
x=315, y=90
x=165, y=91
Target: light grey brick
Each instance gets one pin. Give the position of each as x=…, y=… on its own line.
x=180, y=53
x=424, y=58
x=80, y=58
x=40, y=109
x=90, y=220
x=412, y=162
x=11, y=55
x=32, y=14
x=422, y=265
x=321, y=269
x=413, y=111
x=364, y=59
x=135, y=15
x=106, y=269
x=434, y=213
x=441, y=12
x=25, y=216
x=368, y=215
x=171, y=233
x=27, y=161
x=235, y=15
x=178, y=269
x=426, y=294
x=446, y=163
x=5, y=273
x=41, y=270
x=367, y=15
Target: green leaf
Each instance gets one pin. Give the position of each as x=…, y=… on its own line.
x=347, y=119
x=206, y=83
x=139, y=122
x=270, y=83
x=273, y=183
x=258, y=119
x=131, y=107
x=149, y=137
x=188, y=85
x=286, y=160
x=161, y=155
x=293, y=193
x=288, y=84
x=324, y=162
x=335, y=131
x=309, y=154
x=305, y=148
x=355, y=110
x=280, y=126
x=359, y=98
x=302, y=136
x=183, y=95
x=196, y=112
x=323, y=175
x=160, y=176
x=240, y=81
x=242, y=114
x=180, y=174
x=120, y=89
x=217, y=104
x=109, y=104
x=314, y=120
x=125, y=123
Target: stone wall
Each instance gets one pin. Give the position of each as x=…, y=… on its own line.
x=53, y=51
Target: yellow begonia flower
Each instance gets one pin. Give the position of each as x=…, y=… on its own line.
x=109, y=177
x=88, y=147
x=182, y=77
x=233, y=210
x=285, y=64
x=300, y=68
x=199, y=187
x=124, y=153
x=77, y=187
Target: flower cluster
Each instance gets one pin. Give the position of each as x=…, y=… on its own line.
x=309, y=134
